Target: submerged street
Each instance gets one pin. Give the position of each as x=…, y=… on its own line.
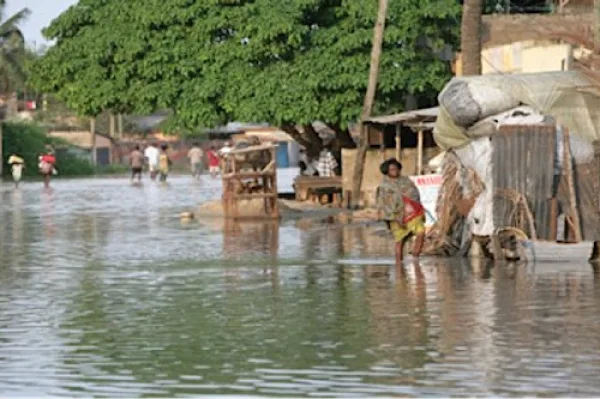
x=105, y=292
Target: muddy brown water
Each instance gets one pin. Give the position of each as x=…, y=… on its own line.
x=104, y=292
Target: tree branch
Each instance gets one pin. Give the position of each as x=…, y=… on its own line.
x=343, y=135
x=311, y=133
x=295, y=134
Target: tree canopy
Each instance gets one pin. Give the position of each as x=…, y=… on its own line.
x=283, y=62
x=12, y=50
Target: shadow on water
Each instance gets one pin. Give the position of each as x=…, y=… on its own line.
x=105, y=292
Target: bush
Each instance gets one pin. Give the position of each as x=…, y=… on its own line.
x=28, y=140
x=113, y=169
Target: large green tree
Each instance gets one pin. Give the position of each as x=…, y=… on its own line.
x=283, y=62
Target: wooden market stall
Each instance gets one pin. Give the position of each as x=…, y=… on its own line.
x=407, y=136
x=250, y=183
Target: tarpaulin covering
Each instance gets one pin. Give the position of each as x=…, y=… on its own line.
x=568, y=97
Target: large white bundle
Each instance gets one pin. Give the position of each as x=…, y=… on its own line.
x=458, y=102
x=468, y=101
x=523, y=115
x=565, y=96
x=477, y=155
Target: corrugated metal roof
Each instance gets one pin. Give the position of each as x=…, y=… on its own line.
x=273, y=135
x=419, y=115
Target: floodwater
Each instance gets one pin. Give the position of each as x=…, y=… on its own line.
x=104, y=292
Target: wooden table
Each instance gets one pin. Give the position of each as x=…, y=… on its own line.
x=307, y=186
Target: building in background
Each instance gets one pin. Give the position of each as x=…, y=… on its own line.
x=83, y=140
x=527, y=43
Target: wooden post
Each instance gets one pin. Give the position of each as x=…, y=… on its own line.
x=120, y=126
x=596, y=24
x=1, y=150
x=420, y=152
x=111, y=128
x=568, y=170
x=275, y=208
x=93, y=140
x=227, y=193
x=361, y=152
x=553, y=219
x=399, y=142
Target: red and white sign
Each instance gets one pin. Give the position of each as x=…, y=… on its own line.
x=429, y=187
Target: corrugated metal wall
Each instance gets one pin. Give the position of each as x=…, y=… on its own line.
x=523, y=161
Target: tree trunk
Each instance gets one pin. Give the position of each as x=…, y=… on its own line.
x=470, y=37
x=308, y=139
x=343, y=135
x=93, y=140
x=12, y=106
x=369, y=100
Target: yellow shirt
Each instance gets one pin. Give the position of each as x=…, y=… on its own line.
x=163, y=163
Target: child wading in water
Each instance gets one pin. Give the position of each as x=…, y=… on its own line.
x=17, y=164
x=164, y=163
x=400, y=206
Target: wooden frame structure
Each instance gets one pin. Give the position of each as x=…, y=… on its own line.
x=419, y=121
x=246, y=185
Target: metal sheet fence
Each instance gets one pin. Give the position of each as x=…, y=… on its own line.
x=523, y=162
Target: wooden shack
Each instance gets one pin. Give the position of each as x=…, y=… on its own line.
x=407, y=136
x=250, y=183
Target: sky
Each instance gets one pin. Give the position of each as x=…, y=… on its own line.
x=42, y=12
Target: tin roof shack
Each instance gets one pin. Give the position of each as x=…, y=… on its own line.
x=407, y=136
x=512, y=168
x=288, y=150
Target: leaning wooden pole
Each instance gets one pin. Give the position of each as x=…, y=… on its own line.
x=1, y=151
x=568, y=170
x=361, y=153
x=596, y=26
x=93, y=141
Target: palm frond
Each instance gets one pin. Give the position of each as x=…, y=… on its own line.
x=12, y=73
x=11, y=24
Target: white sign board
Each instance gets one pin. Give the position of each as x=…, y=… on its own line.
x=429, y=187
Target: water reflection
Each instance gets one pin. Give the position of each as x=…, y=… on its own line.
x=104, y=292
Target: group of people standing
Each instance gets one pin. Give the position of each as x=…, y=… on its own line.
x=155, y=157
x=158, y=162
x=325, y=165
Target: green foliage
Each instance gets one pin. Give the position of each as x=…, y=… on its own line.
x=210, y=62
x=113, y=169
x=29, y=140
x=13, y=55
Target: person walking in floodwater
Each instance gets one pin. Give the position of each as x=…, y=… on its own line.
x=196, y=157
x=136, y=159
x=399, y=204
x=152, y=155
x=17, y=164
x=164, y=163
x=213, y=161
x=47, y=165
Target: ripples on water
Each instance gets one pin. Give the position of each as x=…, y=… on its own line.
x=104, y=292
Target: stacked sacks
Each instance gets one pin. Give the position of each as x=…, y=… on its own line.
x=473, y=108
x=467, y=101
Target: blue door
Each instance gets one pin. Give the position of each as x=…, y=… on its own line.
x=283, y=159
